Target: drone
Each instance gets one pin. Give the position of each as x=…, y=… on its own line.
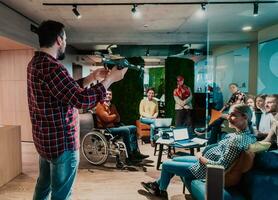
x=109, y=61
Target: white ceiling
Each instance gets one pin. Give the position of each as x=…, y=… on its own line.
x=159, y=24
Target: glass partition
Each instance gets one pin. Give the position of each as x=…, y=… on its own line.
x=268, y=67
x=242, y=49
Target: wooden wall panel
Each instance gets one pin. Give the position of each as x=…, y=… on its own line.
x=22, y=58
x=7, y=65
x=23, y=119
x=21, y=100
x=8, y=96
x=8, y=118
x=13, y=90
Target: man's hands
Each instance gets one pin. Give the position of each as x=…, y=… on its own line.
x=98, y=74
x=107, y=77
x=113, y=76
x=202, y=159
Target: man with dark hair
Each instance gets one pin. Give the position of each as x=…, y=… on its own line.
x=271, y=106
x=53, y=97
x=108, y=117
x=237, y=96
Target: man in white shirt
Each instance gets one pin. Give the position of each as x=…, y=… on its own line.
x=271, y=106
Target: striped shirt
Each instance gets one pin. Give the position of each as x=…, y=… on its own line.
x=225, y=152
x=53, y=97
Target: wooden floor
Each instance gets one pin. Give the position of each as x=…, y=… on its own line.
x=94, y=183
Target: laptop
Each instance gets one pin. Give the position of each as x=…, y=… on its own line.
x=181, y=137
x=180, y=134
x=163, y=122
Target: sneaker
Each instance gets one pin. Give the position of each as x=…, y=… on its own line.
x=151, y=187
x=163, y=194
x=131, y=161
x=139, y=156
x=200, y=131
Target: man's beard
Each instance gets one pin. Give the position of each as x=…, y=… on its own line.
x=61, y=55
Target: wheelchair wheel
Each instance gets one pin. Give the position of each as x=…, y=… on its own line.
x=95, y=148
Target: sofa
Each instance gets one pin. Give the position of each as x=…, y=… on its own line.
x=259, y=183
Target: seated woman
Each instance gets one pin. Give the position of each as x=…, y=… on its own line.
x=223, y=153
x=148, y=110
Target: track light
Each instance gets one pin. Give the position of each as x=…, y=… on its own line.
x=133, y=9
x=256, y=9
x=75, y=11
x=203, y=5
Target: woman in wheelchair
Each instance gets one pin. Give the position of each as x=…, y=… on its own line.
x=224, y=153
x=109, y=118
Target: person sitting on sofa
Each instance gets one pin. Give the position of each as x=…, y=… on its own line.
x=223, y=153
x=148, y=110
x=108, y=117
x=271, y=106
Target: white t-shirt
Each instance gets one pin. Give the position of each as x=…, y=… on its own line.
x=265, y=123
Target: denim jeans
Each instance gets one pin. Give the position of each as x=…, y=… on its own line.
x=150, y=122
x=57, y=177
x=128, y=133
x=179, y=166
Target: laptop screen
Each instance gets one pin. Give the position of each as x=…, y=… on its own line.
x=163, y=122
x=180, y=134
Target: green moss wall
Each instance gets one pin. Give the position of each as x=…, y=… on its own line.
x=128, y=93
x=155, y=76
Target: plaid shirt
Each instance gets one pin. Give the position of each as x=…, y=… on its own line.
x=53, y=97
x=225, y=152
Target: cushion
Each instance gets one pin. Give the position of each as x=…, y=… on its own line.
x=259, y=146
x=267, y=160
x=240, y=166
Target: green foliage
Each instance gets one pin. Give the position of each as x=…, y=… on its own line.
x=128, y=93
x=155, y=76
x=173, y=67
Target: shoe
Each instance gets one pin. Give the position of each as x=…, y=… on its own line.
x=131, y=161
x=139, y=156
x=152, y=143
x=163, y=194
x=200, y=131
x=151, y=187
x=120, y=165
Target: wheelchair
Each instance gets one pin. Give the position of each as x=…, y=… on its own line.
x=98, y=144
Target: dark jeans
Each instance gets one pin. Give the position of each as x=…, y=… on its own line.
x=128, y=133
x=183, y=118
x=215, y=131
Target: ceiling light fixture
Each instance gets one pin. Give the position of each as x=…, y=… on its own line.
x=75, y=11
x=256, y=9
x=133, y=9
x=247, y=28
x=203, y=5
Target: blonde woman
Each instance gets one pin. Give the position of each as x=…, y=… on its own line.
x=223, y=153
